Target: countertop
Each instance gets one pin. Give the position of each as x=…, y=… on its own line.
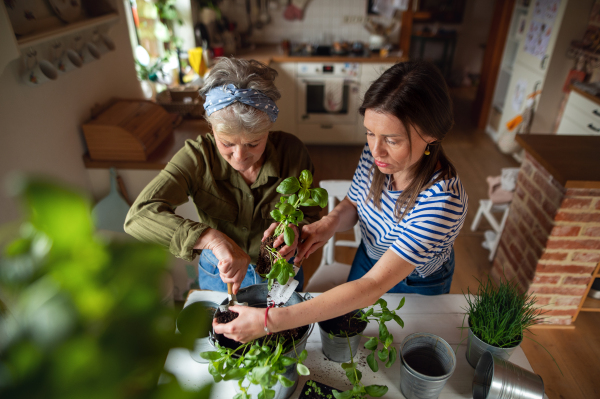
x=440, y=315
x=273, y=53
x=574, y=161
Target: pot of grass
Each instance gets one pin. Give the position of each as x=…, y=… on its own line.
x=498, y=316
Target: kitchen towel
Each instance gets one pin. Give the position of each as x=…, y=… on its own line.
x=334, y=95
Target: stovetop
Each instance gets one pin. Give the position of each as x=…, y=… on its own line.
x=305, y=50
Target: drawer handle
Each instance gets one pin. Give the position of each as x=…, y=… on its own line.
x=595, y=112
x=331, y=126
x=594, y=128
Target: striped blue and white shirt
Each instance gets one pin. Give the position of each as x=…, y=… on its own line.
x=425, y=236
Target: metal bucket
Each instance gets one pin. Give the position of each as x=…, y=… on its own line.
x=427, y=362
x=256, y=296
x=497, y=378
x=336, y=348
x=189, y=321
x=476, y=348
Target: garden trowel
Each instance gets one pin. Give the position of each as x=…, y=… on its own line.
x=232, y=299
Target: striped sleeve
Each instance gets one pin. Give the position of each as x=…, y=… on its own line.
x=432, y=226
x=360, y=182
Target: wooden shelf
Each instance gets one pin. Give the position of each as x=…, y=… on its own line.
x=57, y=32
x=591, y=305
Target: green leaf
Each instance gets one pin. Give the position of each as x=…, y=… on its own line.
x=286, y=209
x=283, y=276
x=399, y=320
x=302, y=369
x=303, y=355
x=372, y=362
x=392, y=358
x=388, y=341
x=387, y=316
x=292, y=199
x=383, y=332
x=401, y=303
x=371, y=344
x=262, y=374
x=354, y=376
x=235, y=374
x=303, y=195
x=289, y=186
x=330, y=335
x=349, y=366
x=369, y=312
x=306, y=178
x=309, y=202
x=266, y=394
x=284, y=381
x=287, y=361
x=288, y=236
x=275, y=214
x=376, y=391
x=383, y=354
x=212, y=355
x=342, y=395
x=320, y=196
x=381, y=302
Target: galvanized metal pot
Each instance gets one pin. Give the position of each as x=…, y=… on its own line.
x=336, y=348
x=427, y=362
x=497, y=378
x=256, y=296
x=476, y=348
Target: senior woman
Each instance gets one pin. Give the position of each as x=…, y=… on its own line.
x=406, y=196
x=231, y=176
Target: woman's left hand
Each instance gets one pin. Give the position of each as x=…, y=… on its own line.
x=247, y=326
x=288, y=250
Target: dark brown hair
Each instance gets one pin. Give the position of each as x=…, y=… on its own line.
x=414, y=92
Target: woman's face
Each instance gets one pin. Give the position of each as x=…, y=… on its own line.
x=241, y=151
x=388, y=142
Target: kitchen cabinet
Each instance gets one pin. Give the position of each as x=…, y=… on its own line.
x=581, y=115
x=522, y=73
x=286, y=83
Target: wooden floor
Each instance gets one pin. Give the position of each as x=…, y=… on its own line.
x=475, y=156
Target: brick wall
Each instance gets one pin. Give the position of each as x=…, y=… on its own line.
x=551, y=241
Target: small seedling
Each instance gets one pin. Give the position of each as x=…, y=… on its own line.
x=296, y=192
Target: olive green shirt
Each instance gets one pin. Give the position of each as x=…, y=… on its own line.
x=223, y=199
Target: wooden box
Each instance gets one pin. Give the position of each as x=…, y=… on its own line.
x=128, y=130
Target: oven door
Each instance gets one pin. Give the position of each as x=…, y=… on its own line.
x=311, y=102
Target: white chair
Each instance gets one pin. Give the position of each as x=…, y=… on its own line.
x=330, y=273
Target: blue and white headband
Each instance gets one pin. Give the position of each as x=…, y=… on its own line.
x=220, y=97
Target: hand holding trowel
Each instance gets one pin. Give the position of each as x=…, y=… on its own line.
x=232, y=299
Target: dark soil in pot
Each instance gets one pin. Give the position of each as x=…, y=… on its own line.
x=316, y=390
x=344, y=324
x=295, y=334
x=263, y=263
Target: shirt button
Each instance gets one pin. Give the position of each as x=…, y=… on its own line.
x=250, y=196
x=244, y=229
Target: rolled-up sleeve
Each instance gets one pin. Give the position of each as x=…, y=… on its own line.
x=152, y=217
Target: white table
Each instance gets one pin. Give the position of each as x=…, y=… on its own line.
x=439, y=315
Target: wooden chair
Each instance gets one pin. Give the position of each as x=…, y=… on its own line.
x=330, y=273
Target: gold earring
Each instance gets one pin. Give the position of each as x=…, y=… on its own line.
x=427, y=152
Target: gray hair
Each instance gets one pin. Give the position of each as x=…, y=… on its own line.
x=243, y=74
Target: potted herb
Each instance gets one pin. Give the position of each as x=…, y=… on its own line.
x=267, y=367
x=340, y=336
x=296, y=193
x=387, y=354
x=498, y=316
x=316, y=390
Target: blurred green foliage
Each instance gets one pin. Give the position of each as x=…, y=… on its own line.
x=81, y=317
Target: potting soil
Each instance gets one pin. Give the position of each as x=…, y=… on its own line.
x=344, y=324
x=263, y=263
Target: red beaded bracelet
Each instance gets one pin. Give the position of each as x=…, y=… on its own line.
x=266, y=314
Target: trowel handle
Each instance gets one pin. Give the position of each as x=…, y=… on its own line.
x=230, y=289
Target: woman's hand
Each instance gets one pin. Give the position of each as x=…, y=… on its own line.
x=247, y=326
x=287, y=251
x=233, y=261
x=314, y=236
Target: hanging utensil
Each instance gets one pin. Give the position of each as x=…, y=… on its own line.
x=110, y=212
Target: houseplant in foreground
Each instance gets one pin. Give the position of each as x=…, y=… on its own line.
x=296, y=192
x=498, y=317
x=80, y=317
